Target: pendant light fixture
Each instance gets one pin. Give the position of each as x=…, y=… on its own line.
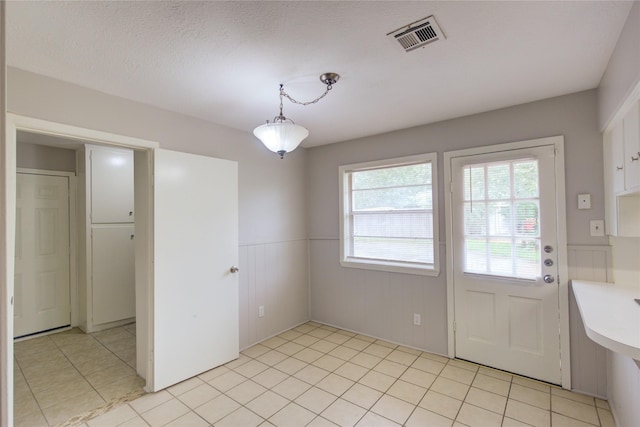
x=282, y=135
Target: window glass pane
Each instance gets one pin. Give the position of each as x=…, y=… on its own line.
x=502, y=234
x=394, y=249
x=526, y=179
x=474, y=183
x=392, y=177
x=415, y=197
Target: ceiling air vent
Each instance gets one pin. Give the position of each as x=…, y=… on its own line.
x=418, y=34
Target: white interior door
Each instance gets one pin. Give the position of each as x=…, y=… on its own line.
x=196, y=297
x=41, y=286
x=504, y=233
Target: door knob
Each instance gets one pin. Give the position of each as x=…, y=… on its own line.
x=548, y=278
x=234, y=269
x=548, y=262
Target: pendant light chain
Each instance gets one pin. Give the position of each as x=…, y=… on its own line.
x=283, y=93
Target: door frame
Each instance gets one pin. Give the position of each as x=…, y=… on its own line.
x=563, y=271
x=73, y=236
x=143, y=157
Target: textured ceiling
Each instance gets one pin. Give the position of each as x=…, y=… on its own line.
x=223, y=61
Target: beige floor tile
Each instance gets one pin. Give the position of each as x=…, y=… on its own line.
x=290, y=348
x=377, y=381
x=291, y=388
x=308, y=355
x=245, y=392
x=290, y=335
x=213, y=373
x=311, y=374
x=114, y=417
x=328, y=363
x=343, y=413
x=527, y=414
x=559, y=420
x=362, y=396
x=510, y=422
x=494, y=385
x=418, y=377
x=464, y=365
x=490, y=372
x=422, y=418
x=292, y=415
x=320, y=333
x=343, y=353
x=270, y=377
x=337, y=338
x=536, y=385
x=450, y=388
x=323, y=346
x=290, y=365
x=31, y=420
x=315, y=400
x=241, y=360
x=53, y=379
x=165, y=413
x=606, y=418
x=185, y=386
x=574, y=409
x=240, y=417
x=408, y=392
x=111, y=374
x=441, y=404
x=267, y=404
x=273, y=342
x=402, y=357
x=63, y=393
x=272, y=358
x=582, y=398
x=135, y=422
x=486, y=400
x=256, y=351
x=351, y=371
x=305, y=328
x=600, y=403
x=199, y=395
x=390, y=368
x=393, y=408
x=436, y=357
x=530, y=396
x=121, y=387
x=356, y=344
x=365, y=360
x=458, y=374
x=87, y=367
x=63, y=411
x=346, y=333
x=305, y=340
x=227, y=381
x=371, y=419
x=251, y=368
x=477, y=417
x=190, y=419
x=216, y=409
x=366, y=338
x=335, y=384
x=428, y=365
x=150, y=400
x=378, y=350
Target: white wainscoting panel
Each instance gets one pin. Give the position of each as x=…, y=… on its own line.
x=588, y=359
x=273, y=275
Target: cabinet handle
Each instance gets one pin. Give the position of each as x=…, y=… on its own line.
x=130, y=213
x=619, y=168
x=635, y=159
x=131, y=237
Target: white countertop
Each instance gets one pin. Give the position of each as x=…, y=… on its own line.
x=611, y=316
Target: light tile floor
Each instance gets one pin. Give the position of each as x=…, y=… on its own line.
x=315, y=375
x=65, y=374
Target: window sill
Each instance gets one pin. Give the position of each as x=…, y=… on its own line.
x=392, y=267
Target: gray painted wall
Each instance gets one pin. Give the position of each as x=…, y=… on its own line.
x=33, y=156
x=272, y=220
x=382, y=304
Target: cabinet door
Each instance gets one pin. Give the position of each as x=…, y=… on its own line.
x=112, y=262
x=111, y=186
x=613, y=177
x=632, y=148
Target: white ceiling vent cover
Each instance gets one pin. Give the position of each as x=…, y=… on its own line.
x=418, y=34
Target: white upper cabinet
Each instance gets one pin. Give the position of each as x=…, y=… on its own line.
x=631, y=126
x=111, y=186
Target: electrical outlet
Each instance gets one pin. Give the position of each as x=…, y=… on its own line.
x=261, y=311
x=584, y=201
x=416, y=319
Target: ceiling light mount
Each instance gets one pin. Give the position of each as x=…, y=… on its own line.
x=282, y=135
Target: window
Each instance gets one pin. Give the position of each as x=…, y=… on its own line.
x=502, y=219
x=389, y=215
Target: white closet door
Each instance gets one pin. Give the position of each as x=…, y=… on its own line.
x=112, y=254
x=196, y=320
x=111, y=186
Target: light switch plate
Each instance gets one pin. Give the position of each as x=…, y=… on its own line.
x=596, y=227
x=584, y=201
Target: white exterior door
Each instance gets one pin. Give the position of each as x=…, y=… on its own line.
x=41, y=286
x=196, y=297
x=504, y=235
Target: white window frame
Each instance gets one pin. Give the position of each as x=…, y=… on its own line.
x=345, y=238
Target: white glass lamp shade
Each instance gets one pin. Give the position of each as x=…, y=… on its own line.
x=281, y=137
